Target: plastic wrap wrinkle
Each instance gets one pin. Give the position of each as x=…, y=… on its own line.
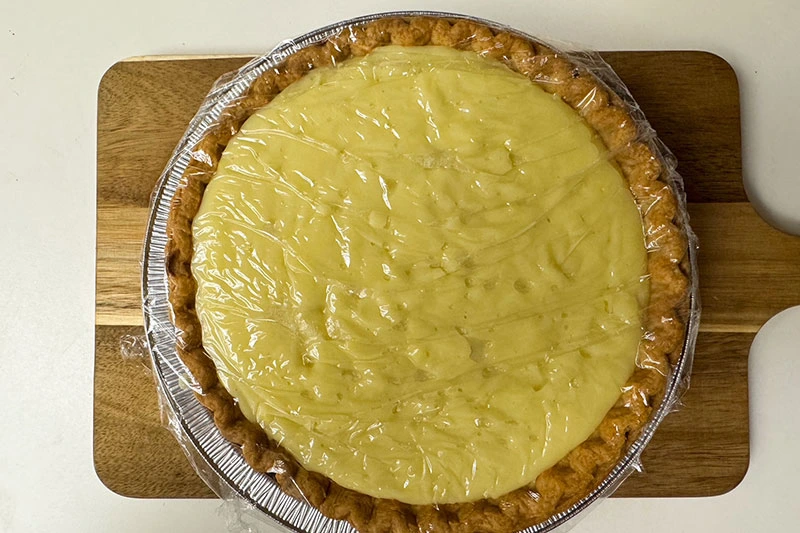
x=326, y=233
x=134, y=347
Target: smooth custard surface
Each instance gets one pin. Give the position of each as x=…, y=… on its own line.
x=421, y=274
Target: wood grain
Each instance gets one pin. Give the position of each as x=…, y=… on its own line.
x=140, y=458
x=749, y=271
x=701, y=94
x=700, y=450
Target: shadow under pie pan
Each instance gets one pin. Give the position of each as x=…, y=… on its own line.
x=240, y=463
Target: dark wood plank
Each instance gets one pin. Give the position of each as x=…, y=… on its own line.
x=134, y=455
x=692, y=101
x=700, y=450
x=703, y=448
x=143, y=109
x=690, y=98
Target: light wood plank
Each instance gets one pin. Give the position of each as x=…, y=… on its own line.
x=749, y=271
x=120, y=237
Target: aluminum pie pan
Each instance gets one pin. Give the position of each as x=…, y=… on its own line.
x=218, y=461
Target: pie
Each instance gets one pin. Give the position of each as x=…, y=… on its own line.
x=430, y=275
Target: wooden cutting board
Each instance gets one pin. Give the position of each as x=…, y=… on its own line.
x=749, y=271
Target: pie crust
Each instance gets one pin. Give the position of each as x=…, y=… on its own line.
x=586, y=466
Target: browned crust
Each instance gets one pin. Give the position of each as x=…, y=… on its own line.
x=587, y=465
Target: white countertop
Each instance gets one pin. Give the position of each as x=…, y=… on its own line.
x=52, y=56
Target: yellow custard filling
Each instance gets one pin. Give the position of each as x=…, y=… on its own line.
x=421, y=274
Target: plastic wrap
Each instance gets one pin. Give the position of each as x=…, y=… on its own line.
x=448, y=267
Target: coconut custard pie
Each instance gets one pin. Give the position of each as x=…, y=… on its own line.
x=428, y=274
